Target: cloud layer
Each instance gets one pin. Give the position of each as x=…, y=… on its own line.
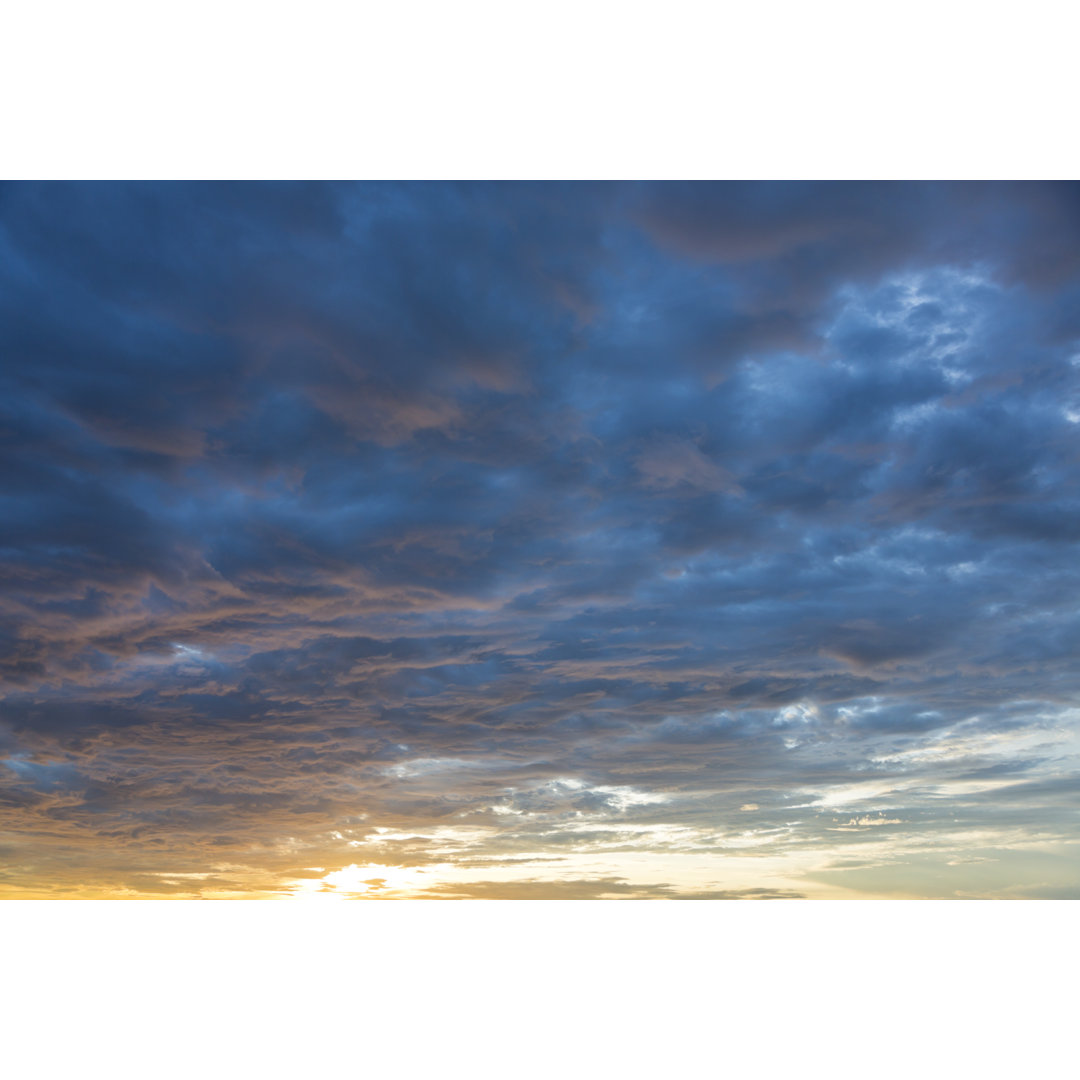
x=539, y=540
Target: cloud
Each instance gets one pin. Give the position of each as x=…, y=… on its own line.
x=523, y=522
x=681, y=465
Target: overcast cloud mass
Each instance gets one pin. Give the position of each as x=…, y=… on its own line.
x=540, y=540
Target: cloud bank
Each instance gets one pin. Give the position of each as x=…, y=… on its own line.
x=709, y=540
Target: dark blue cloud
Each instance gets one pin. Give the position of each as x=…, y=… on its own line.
x=448, y=525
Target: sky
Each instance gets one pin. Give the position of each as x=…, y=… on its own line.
x=540, y=541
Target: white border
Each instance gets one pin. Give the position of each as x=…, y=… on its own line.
x=889, y=989
x=575, y=89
